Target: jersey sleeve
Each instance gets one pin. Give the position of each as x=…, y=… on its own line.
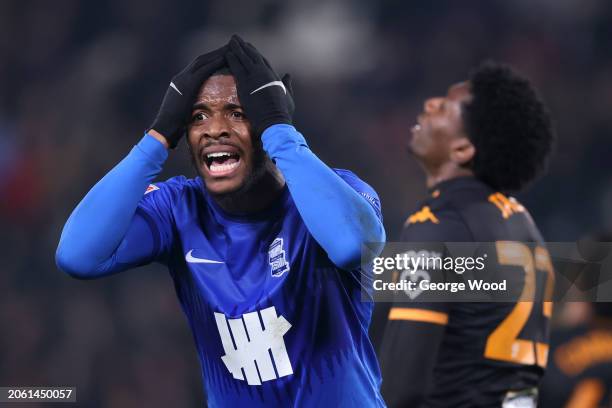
x=105, y=220
x=363, y=188
x=337, y=217
x=408, y=354
x=414, y=330
x=155, y=209
x=150, y=234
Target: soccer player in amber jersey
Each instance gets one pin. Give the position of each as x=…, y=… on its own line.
x=488, y=136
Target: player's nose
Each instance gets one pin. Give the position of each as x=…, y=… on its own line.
x=217, y=127
x=432, y=104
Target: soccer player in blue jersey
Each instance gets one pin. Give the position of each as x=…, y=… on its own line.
x=264, y=246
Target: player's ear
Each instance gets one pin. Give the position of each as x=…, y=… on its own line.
x=462, y=151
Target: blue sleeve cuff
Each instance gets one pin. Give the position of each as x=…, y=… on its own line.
x=153, y=149
x=277, y=137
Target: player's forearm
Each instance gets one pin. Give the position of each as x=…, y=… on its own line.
x=407, y=357
x=335, y=214
x=100, y=221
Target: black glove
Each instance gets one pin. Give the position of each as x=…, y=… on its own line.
x=176, y=107
x=265, y=98
x=287, y=80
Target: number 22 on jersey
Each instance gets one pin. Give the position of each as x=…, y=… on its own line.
x=504, y=343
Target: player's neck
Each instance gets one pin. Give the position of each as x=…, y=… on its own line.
x=446, y=171
x=258, y=196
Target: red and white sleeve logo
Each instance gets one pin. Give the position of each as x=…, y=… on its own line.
x=152, y=187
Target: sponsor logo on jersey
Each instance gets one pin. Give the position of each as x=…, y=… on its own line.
x=152, y=187
x=415, y=277
x=417, y=271
x=258, y=350
x=277, y=259
x=423, y=215
x=507, y=206
x=192, y=259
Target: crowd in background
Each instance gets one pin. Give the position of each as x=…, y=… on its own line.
x=81, y=81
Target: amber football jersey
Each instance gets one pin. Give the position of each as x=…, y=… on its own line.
x=486, y=351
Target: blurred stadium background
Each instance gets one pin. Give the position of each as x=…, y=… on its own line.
x=80, y=81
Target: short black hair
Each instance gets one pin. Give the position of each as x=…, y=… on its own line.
x=509, y=126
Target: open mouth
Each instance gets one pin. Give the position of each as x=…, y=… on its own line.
x=221, y=163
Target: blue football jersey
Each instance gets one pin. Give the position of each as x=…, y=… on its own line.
x=275, y=322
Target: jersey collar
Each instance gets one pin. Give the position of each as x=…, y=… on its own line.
x=456, y=183
x=264, y=215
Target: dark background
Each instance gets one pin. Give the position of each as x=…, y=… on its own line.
x=80, y=81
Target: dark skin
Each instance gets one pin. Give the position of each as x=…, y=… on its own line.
x=439, y=141
x=249, y=181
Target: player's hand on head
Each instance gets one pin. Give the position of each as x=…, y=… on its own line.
x=288, y=81
x=266, y=99
x=175, y=109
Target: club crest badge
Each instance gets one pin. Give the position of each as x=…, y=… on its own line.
x=277, y=259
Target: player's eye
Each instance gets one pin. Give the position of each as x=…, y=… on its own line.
x=237, y=115
x=199, y=116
